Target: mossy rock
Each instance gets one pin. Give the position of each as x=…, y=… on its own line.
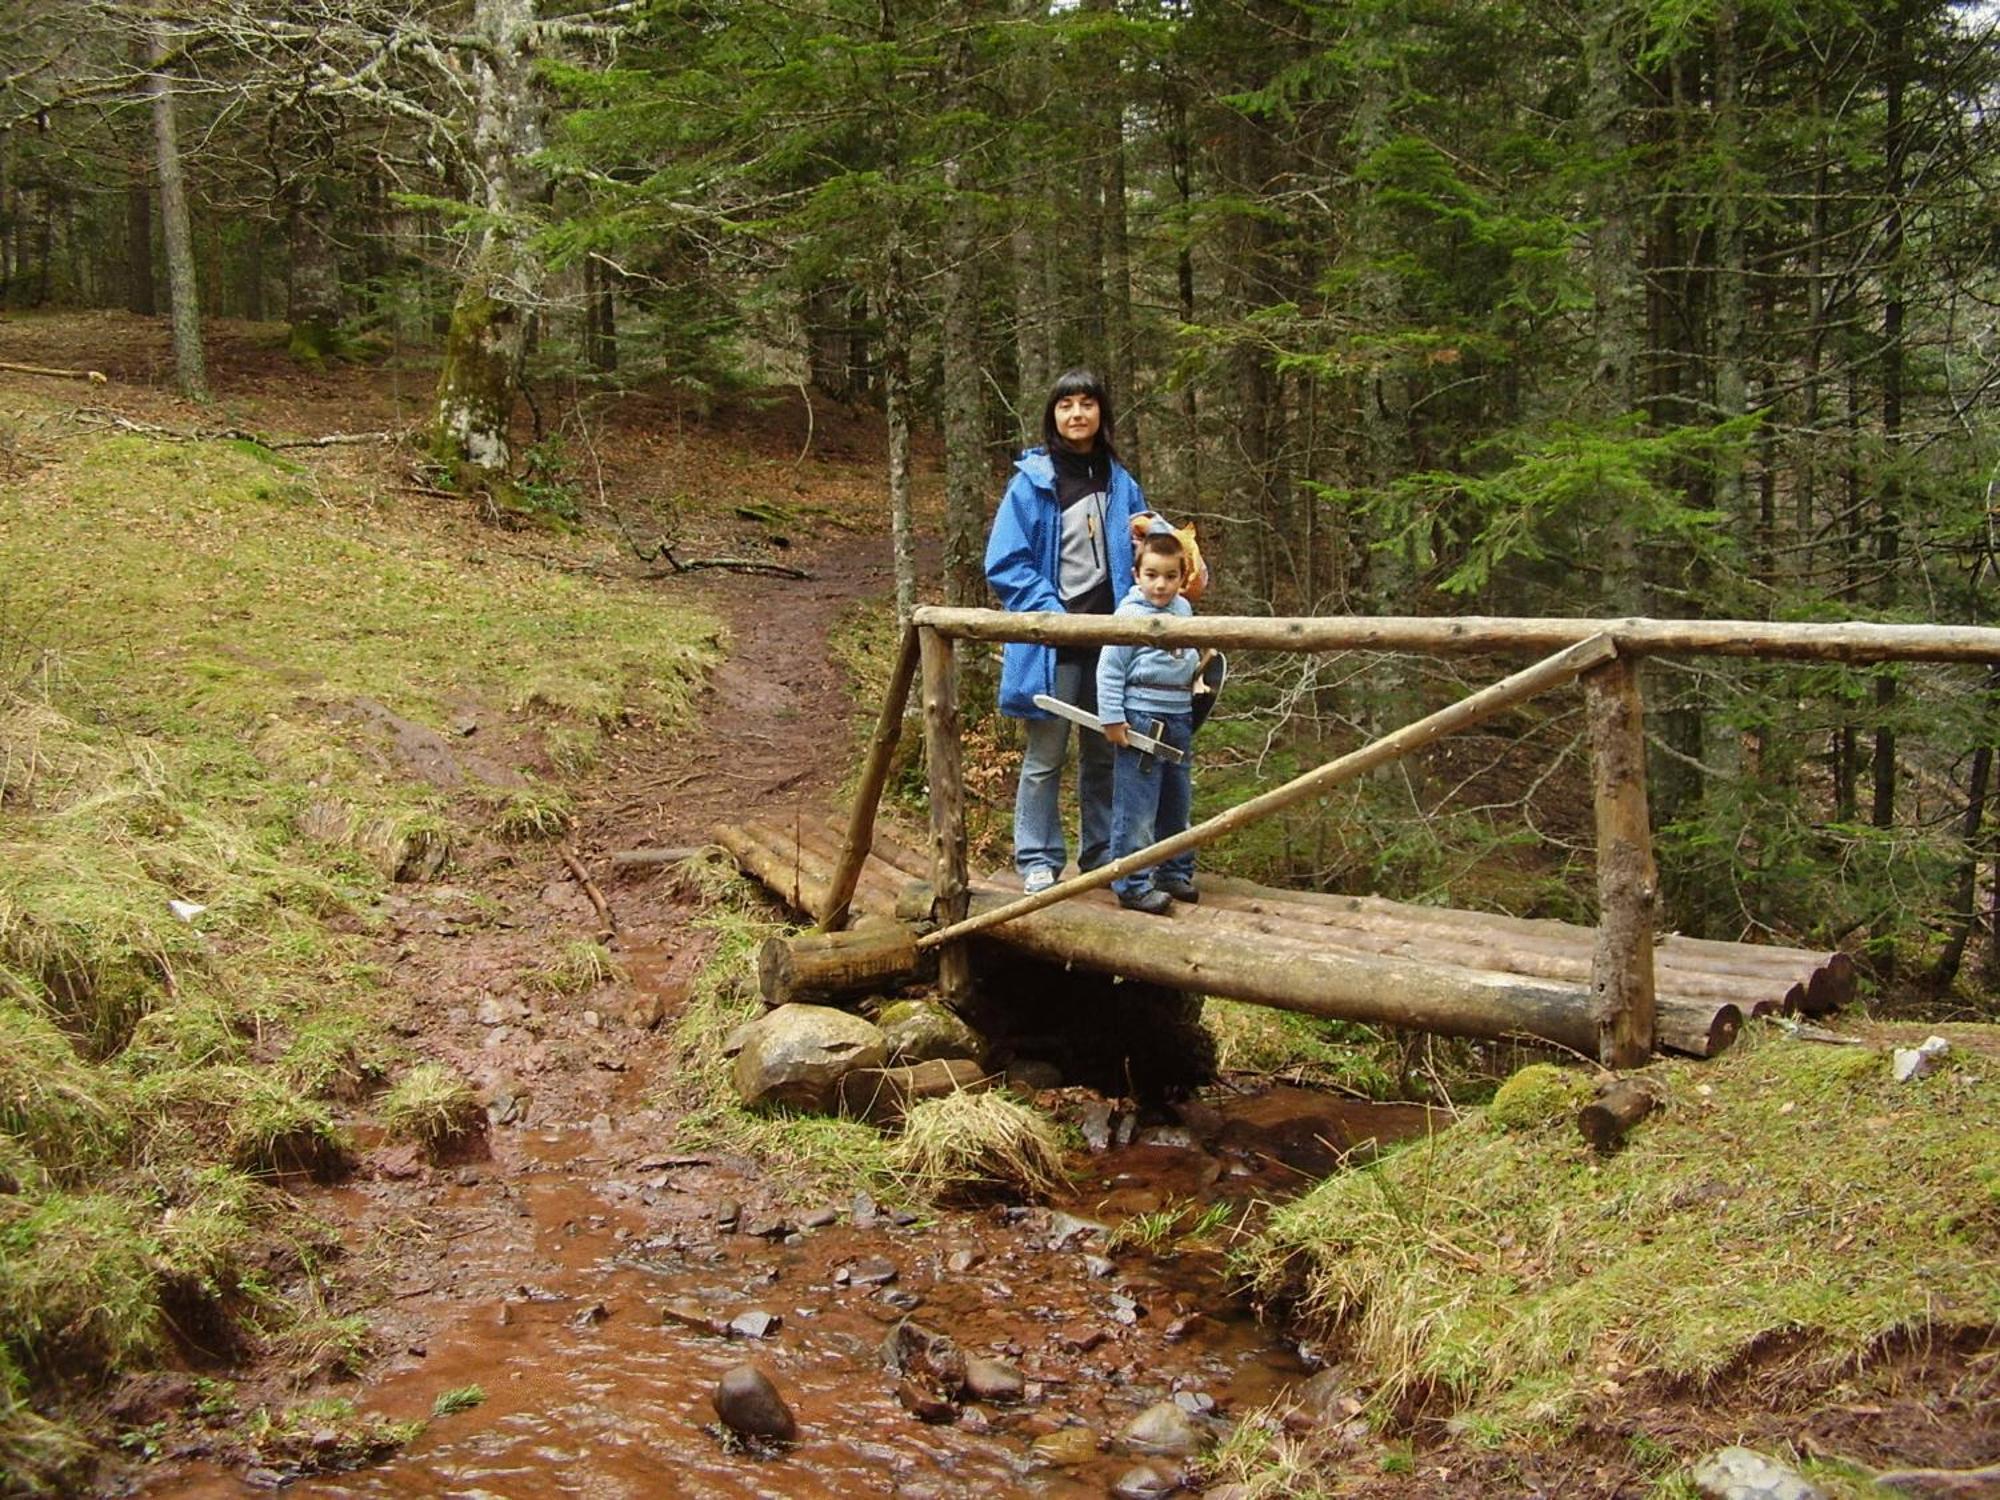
x=1539, y=1093
x=920, y=1031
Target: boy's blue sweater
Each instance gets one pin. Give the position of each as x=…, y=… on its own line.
x=1136, y=681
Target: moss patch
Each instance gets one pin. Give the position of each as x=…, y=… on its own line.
x=1539, y=1094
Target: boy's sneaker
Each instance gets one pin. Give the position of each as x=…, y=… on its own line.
x=1179, y=890
x=1154, y=903
x=1037, y=880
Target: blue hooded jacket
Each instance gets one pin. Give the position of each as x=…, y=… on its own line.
x=1021, y=564
x=1134, y=681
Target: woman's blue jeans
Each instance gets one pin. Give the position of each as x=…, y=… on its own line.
x=1038, y=831
x=1151, y=799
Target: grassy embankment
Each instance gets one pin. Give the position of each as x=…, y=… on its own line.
x=1791, y=1220
x=186, y=635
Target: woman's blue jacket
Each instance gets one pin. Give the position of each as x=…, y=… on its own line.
x=1021, y=563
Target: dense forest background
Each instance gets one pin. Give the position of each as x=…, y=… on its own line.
x=1660, y=307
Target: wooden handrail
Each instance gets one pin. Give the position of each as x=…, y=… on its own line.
x=1550, y=672
x=1473, y=635
x=874, y=772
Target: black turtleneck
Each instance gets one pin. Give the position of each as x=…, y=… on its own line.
x=1083, y=492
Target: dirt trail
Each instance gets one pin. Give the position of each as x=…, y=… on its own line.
x=774, y=718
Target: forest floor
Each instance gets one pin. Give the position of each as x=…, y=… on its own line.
x=572, y=1269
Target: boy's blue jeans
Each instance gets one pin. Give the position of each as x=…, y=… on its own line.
x=1038, y=831
x=1151, y=799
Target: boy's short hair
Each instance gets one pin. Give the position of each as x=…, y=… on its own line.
x=1162, y=544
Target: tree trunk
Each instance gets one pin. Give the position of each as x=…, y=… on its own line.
x=1113, y=241
x=480, y=377
x=139, y=243
x=896, y=384
x=1181, y=146
x=1965, y=902
x=253, y=275
x=1034, y=355
x=1888, y=526
x=1617, y=290
x=312, y=286
x=1732, y=305
x=189, y=368
x=600, y=315
x=967, y=479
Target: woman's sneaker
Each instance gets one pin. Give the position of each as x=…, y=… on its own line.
x=1154, y=902
x=1179, y=890
x=1037, y=880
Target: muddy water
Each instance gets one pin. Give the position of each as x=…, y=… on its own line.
x=579, y=1309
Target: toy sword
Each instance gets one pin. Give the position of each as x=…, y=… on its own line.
x=1149, y=744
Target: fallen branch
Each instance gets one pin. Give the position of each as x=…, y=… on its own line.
x=1616, y=1110
x=628, y=859
x=223, y=434
x=1942, y=1481
x=695, y=564
x=731, y=564
x=95, y=377
x=589, y=888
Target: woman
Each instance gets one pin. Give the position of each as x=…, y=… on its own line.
x=1062, y=540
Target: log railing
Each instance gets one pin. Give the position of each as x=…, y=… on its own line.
x=1603, y=653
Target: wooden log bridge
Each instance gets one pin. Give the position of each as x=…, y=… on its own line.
x=1361, y=958
x=1614, y=992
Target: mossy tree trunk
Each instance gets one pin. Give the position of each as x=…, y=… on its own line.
x=190, y=370
x=481, y=373
x=312, y=290
x=480, y=378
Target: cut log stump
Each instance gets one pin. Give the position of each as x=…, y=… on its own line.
x=871, y=955
x=1607, y=1119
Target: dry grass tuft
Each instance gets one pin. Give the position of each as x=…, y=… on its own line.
x=966, y=1142
x=432, y=1106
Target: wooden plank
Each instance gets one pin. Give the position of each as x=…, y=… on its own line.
x=1550, y=672
x=1444, y=946
x=1377, y=913
x=1477, y=635
x=1621, y=973
x=874, y=773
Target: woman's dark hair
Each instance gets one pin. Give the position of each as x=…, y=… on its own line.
x=1079, y=382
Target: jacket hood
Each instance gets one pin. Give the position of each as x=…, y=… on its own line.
x=1133, y=595
x=1037, y=468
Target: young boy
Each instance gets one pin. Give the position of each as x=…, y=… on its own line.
x=1150, y=795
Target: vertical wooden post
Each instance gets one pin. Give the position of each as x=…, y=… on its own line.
x=1621, y=971
x=874, y=772
x=943, y=764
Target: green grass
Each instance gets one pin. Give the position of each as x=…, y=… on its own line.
x=577, y=968
x=203, y=654
x=458, y=1399
x=804, y=1155
x=1791, y=1206
x=1340, y=1055
x=1180, y=1224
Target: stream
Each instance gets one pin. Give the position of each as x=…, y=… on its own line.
x=586, y=1282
